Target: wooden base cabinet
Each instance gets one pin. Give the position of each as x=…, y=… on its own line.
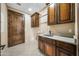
x=52, y=47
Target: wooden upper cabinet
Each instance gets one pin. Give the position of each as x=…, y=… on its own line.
x=61, y=13
x=66, y=12
x=52, y=14
x=35, y=20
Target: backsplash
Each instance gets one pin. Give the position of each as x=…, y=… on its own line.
x=67, y=30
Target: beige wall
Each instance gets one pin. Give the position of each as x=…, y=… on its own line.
x=3, y=24
x=30, y=32
x=77, y=27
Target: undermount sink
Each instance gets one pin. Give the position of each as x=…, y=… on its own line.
x=48, y=35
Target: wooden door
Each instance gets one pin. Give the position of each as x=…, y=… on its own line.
x=15, y=28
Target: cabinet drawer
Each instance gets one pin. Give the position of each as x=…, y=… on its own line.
x=66, y=46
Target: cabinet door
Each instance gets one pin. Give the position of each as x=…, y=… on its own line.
x=41, y=44
x=33, y=21
x=49, y=50
x=62, y=52
x=36, y=20
x=66, y=12
x=52, y=14
x=49, y=47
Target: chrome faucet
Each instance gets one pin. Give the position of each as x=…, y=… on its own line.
x=50, y=33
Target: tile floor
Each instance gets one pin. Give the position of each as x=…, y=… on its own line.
x=30, y=48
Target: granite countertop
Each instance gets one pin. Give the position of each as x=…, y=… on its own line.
x=60, y=38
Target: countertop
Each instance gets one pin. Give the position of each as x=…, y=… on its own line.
x=60, y=38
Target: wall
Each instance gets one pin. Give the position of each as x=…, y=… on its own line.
x=3, y=24
x=67, y=29
x=31, y=33
x=77, y=27
x=4, y=36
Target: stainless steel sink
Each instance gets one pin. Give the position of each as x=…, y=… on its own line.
x=48, y=35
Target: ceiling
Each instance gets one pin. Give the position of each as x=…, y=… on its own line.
x=36, y=7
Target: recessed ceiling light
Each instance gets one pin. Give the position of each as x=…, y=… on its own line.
x=29, y=9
